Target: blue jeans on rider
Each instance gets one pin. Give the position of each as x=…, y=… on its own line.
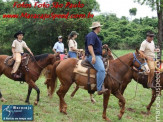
x=99, y=66
x=72, y=54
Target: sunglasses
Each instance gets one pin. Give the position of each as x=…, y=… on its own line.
x=151, y=36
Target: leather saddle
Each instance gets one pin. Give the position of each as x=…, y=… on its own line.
x=9, y=61
x=84, y=68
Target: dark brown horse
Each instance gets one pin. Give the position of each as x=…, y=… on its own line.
x=35, y=65
x=142, y=79
x=64, y=71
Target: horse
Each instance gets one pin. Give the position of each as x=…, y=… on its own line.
x=30, y=74
x=63, y=70
x=141, y=79
x=106, y=53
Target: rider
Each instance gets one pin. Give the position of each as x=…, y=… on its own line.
x=147, y=48
x=59, y=46
x=17, y=50
x=72, y=44
x=93, y=51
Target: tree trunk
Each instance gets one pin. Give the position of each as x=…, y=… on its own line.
x=160, y=27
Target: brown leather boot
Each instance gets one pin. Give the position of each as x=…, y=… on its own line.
x=15, y=75
x=102, y=91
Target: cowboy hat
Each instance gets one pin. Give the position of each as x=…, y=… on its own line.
x=19, y=32
x=150, y=34
x=95, y=25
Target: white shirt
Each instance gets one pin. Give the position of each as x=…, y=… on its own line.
x=59, y=47
x=19, y=45
x=148, y=48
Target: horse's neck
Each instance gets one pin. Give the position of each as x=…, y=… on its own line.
x=122, y=65
x=45, y=63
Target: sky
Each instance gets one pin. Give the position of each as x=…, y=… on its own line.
x=121, y=8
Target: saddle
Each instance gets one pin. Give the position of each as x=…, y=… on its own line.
x=9, y=61
x=84, y=68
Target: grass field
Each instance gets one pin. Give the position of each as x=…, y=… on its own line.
x=80, y=109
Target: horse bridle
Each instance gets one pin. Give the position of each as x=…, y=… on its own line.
x=136, y=60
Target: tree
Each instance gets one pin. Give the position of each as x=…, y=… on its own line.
x=132, y=12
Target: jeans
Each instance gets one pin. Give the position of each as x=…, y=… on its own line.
x=99, y=66
x=72, y=54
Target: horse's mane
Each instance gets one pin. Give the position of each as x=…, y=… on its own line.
x=40, y=57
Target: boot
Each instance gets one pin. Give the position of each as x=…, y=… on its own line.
x=15, y=75
x=102, y=91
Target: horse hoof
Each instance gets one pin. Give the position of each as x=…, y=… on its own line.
x=35, y=103
x=106, y=119
x=93, y=101
x=27, y=102
x=148, y=112
x=3, y=100
x=119, y=117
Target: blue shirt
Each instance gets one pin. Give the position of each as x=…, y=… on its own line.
x=59, y=47
x=92, y=39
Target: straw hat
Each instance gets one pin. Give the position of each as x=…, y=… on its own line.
x=95, y=25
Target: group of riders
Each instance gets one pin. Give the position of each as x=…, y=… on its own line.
x=93, y=53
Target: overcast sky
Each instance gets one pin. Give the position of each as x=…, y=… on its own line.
x=121, y=8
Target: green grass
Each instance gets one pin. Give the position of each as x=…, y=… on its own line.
x=80, y=109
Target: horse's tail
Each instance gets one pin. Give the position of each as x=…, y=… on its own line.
x=53, y=81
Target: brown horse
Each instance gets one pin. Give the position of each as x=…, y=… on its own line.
x=64, y=71
x=106, y=53
x=35, y=65
x=142, y=79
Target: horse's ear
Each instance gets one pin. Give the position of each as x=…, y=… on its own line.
x=137, y=50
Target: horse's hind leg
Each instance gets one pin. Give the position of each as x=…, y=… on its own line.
x=122, y=101
x=61, y=93
x=73, y=93
x=152, y=100
x=28, y=95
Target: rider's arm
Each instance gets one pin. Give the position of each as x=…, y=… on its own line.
x=13, y=50
x=142, y=53
x=54, y=50
x=90, y=48
x=29, y=51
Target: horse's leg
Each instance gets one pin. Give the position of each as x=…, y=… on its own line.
x=105, y=104
x=123, y=87
x=152, y=100
x=29, y=93
x=33, y=85
x=2, y=99
x=122, y=106
x=61, y=93
x=73, y=93
x=92, y=99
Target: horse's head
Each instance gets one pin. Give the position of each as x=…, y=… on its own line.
x=106, y=52
x=139, y=62
x=54, y=57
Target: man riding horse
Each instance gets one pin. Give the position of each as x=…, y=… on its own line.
x=17, y=50
x=147, y=48
x=93, y=51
